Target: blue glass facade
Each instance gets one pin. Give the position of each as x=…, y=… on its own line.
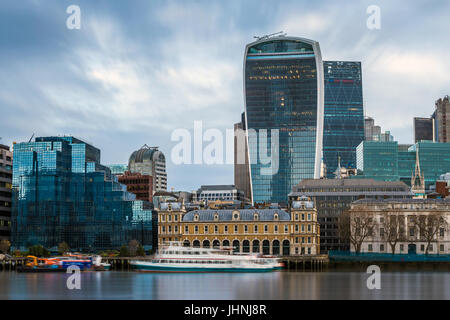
x=283, y=87
x=62, y=193
x=343, y=128
x=388, y=161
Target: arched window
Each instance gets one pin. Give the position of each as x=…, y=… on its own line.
x=286, y=247
x=216, y=244
x=226, y=244
x=205, y=243
x=255, y=246
x=255, y=216
x=186, y=243
x=246, y=246
x=196, y=217
x=275, y=247
x=236, y=247
x=266, y=247
x=196, y=244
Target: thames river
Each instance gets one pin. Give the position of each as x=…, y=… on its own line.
x=283, y=285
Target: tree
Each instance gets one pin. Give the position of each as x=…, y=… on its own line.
x=140, y=251
x=63, y=247
x=392, y=229
x=38, y=251
x=132, y=247
x=4, y=246
x=124, y=251
x=429, y=226
x=355, y=227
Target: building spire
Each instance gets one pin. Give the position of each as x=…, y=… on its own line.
x=418, y=179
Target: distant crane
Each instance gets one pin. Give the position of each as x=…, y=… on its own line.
x=267, y=36
x=31, y=137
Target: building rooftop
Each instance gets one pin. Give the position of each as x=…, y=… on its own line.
x=217, y=187
x=392, y=201
x=245, y=215
x=349, y=183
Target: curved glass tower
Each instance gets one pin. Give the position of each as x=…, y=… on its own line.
x=284, y=94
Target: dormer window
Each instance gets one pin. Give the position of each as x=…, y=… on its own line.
x=236, y=215
x=196, y=217
x=216, y=217
x=255, y=216
x=275, y=217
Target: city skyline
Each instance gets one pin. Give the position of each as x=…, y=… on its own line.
x=102, y=83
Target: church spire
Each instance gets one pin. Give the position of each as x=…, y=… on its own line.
x=418, y=179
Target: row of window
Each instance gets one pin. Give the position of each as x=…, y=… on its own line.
x=297, y=228
x=402, y=247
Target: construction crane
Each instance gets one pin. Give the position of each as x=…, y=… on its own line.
x=31, y=137
x=267, y=36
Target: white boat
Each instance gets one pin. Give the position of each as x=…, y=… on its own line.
x=177, y=258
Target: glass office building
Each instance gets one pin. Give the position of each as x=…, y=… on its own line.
x=343, y=128
x=388, y=161
x=61, y=192
x=283, y=89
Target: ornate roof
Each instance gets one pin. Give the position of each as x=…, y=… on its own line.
x=244, y=215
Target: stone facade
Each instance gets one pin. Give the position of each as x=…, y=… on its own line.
x=412, y=223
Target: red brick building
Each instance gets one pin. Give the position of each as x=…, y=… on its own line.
x=140, y=185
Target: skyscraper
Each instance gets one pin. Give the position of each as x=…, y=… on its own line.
x=152, y=162
x=5, y=192
x=284, y=94
x=442, y=119
x=343, y=128
x=241, y=163
x=423, y=129
x=61, y=192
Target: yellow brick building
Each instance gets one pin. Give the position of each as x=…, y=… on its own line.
x=269, y=231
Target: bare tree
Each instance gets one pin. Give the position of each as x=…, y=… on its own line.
x=133, y=245
x=393, y=229
x=4, y=246
x=429, y=226
x=355, y=227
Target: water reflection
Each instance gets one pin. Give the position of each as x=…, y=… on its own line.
x=271, y=286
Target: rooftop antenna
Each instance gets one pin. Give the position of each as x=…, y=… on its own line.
x=267, y=36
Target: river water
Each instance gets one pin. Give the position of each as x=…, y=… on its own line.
x=284, y=285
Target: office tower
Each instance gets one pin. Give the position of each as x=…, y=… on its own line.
x=442, y=119
x=378, y=160
x=423, y=129
x=5, y=192
x=343, y=128
x=241, y=163
x=61, y=192
x=152, y=162
x=284, y=94
x=334, y=196
x=373, y=132
x=117, y=169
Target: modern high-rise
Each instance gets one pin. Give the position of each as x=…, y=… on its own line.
x=423, y=129
x=284, y=98
x=442, y=119
x=5, y=192
x=373, y=132
x=150, y=161
x=61, y=192
x=241, y=163
x=343, y=128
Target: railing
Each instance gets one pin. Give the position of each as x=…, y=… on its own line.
x=341, y=256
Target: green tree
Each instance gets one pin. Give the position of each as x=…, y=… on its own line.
x=4, y=246
x=124, y=251
x=38, y=251
x=140, y=251
x=63, y=247
x=132, y=247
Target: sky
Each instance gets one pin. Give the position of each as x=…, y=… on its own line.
x=138, y=70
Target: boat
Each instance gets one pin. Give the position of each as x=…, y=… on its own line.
x=62, y=263
x=174, y=257
x=98, y=265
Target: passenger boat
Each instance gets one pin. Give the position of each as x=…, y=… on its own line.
x=176, y=258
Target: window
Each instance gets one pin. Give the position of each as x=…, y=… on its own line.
x=163, y=229
x=256, y=229
x=309, y=239
x=296, y=239
x=175, y=229
x=441, y=247
x=370, y=248
x=225, y=229
x=296, y=216
x=411, y=232
x=303, y=217
x=286, y=230
x=186, y=229
x=309, y=228
x=441, y=232
x=303, y=228
x=176, y=217
x=309, y=216
x=275, y=229
x=245, y=228
x=303, y=239
x=266, y=228
x=196, y=229
x=235, y=229
x=296, y=228
x=206, y=229
x=382, y=232
x=401, y=248
x=422, y=247
x=216, y=229
x=381, y=247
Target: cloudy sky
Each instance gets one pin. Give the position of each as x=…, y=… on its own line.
x=137, y=70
